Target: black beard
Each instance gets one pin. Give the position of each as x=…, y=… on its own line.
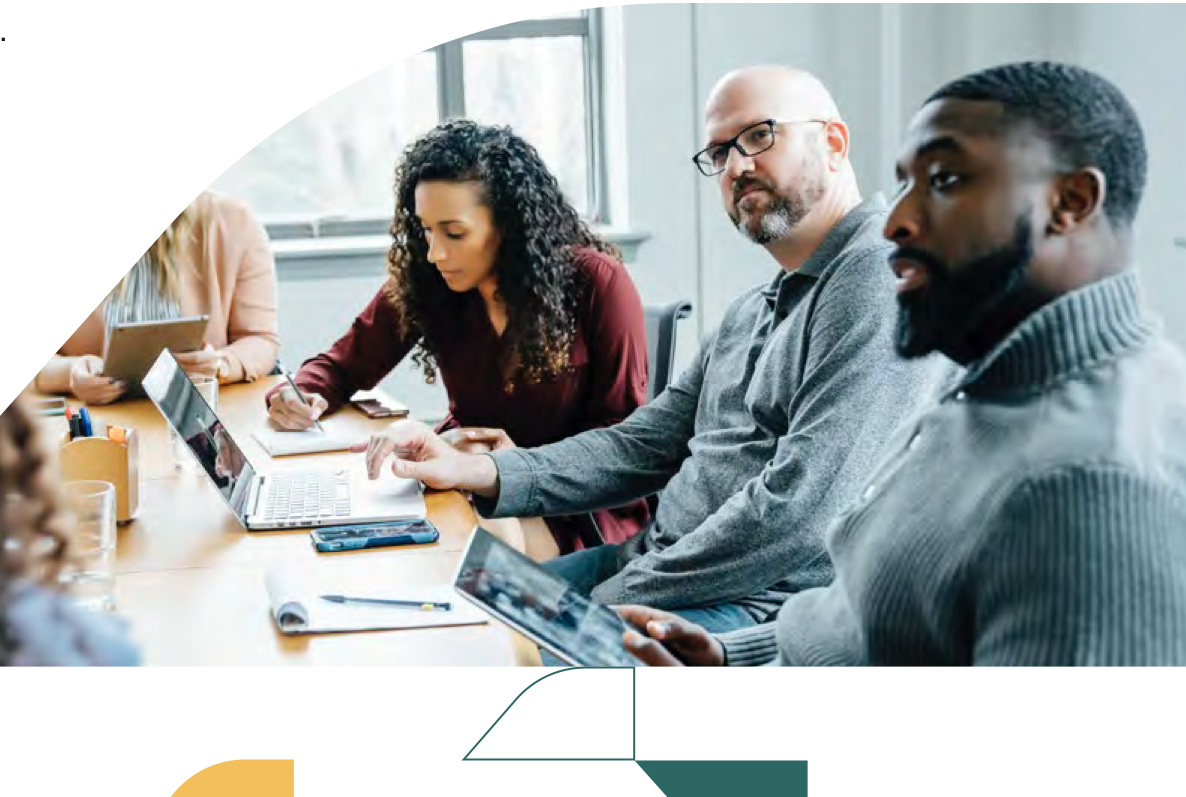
x=950, y=312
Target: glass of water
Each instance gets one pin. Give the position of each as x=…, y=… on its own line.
x=183, y=458
x=90, y=573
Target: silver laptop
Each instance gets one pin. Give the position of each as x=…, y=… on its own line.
x=297, y=497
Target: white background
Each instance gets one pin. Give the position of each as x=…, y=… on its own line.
x=356, y=732
x=113, y=116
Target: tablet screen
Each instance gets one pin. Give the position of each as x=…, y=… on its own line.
x=520, y=592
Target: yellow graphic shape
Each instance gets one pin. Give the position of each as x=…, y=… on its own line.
x=246, y=778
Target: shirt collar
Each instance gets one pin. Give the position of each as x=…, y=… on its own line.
x=853, y=223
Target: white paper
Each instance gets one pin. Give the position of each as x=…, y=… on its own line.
x=298, y=608
x=309, y=441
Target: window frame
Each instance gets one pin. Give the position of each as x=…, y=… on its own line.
x=450, y=62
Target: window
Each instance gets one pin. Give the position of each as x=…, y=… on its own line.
x=329, y=170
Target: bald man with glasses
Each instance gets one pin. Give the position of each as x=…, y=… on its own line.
x=777, y=422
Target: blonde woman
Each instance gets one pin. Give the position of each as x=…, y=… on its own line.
x=213, y=260
x=38, y=624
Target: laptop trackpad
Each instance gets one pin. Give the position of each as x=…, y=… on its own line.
x=386, y=497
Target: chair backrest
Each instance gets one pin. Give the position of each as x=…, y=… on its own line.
x=661, y=321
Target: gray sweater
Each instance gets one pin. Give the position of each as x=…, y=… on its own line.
x=763, y=439
x=42, y=627
x=1035, y=515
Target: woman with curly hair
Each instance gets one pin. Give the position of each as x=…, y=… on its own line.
x=38, y=624
x=496, y=284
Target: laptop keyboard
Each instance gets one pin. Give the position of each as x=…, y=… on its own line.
x=301, y=499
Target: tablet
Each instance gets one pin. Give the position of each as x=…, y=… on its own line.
x=133, y=348
x=540, y=605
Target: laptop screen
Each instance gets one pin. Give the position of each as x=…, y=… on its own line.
x=195, y=422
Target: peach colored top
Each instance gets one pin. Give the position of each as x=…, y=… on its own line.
x=226, y=272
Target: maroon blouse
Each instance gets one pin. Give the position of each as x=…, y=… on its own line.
x=606, y=381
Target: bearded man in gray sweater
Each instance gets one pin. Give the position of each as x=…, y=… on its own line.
x=1036, y=513
x=778, y=421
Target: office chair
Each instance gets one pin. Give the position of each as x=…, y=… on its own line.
x=661, y=323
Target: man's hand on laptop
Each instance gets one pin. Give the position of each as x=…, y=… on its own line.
x=417, y=452
x=663, y=639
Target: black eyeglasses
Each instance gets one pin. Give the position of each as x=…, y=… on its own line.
x=754, y=140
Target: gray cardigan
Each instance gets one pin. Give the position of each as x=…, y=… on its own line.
x=1035, y=515
x=767, y=435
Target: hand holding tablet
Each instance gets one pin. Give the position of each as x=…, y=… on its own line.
x=540, y=605
x=664, y=639
x=132, y=348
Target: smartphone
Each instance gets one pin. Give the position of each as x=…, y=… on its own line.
x=50, y=406
x=373, y=409
x=374, y=535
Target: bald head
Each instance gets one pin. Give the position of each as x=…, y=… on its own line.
x=777, y=145
x=773, y=92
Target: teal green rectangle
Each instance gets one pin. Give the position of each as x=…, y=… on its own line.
x=728, y=778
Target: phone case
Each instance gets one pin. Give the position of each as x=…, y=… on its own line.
x=383, y=535
x=50, y=406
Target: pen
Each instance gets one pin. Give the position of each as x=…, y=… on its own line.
x=85, y=415
x=300, y=396
x=427, y=606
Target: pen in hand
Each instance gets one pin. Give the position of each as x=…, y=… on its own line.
x=301, y=397
x=427, y=606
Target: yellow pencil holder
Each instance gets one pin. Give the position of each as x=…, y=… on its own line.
x=105, y=460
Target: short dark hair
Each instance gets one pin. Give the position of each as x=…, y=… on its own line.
x=1085, y=117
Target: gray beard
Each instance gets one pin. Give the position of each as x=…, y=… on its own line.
x=774, y=225
x=777, y=222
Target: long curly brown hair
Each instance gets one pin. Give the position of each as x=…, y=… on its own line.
x=539, y=229
x=32, y=534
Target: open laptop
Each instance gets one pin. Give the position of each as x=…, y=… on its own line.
x=285, y=498
x=540, y=605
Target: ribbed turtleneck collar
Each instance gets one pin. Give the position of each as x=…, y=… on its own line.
x=1096, y=323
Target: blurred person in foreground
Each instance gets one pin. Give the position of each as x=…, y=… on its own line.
x=39, y=624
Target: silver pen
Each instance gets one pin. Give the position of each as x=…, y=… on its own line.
x=427, y=606
x=292, y=384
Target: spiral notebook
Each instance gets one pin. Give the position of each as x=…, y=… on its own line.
x=298, y=608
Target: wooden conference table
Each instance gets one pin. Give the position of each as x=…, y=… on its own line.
x=191, y=581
